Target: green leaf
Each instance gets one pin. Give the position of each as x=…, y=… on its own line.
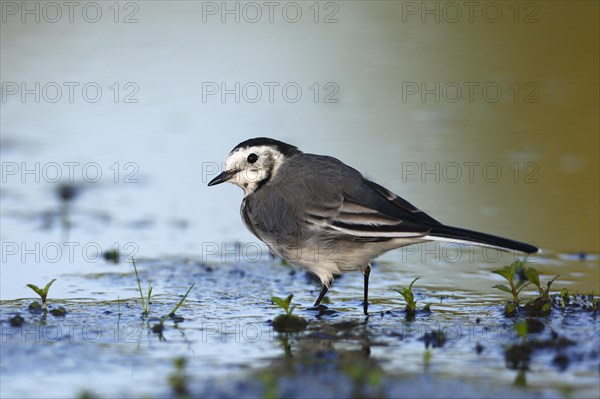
x=503, y=288
x=533, y=276
x=407, y=294
x=147, y=309
x=401, y=292
x=507, y=273
x=137, y=277
x=288, y=300
x=35, y=288
x=47, y=287
x=43, y=293
x=284, y=303
x=182, y=300
x=279, y=302
x=411, y=284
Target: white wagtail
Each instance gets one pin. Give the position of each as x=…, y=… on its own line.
x=319, y=213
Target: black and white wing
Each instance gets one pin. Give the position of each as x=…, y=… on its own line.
x=369, y=212
x=374, y=213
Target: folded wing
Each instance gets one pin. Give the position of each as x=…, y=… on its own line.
x=373, y=213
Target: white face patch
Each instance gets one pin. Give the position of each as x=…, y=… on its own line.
x=250, y=175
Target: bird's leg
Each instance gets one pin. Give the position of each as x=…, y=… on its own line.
x=366, y=273
x=321, y=295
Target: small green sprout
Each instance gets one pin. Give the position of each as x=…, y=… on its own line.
x=509, y=272
x=541, y=305
x=43, y=293
x=147, y=309
x=409, y=297
x=145, y=305
x=287, y=322
x=284, y=303
x=172, y=314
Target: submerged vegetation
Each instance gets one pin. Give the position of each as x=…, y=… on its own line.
x=409, y=298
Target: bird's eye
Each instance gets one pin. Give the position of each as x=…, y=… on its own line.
x=252, y=158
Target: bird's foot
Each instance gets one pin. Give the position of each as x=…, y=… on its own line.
x=365, y=308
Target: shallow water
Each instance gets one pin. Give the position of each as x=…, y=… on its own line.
x=231, y=348
x=523, y=165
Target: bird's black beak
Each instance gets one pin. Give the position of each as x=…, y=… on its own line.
x=223, y=177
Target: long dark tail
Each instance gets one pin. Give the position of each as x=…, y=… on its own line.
x=469, y=236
